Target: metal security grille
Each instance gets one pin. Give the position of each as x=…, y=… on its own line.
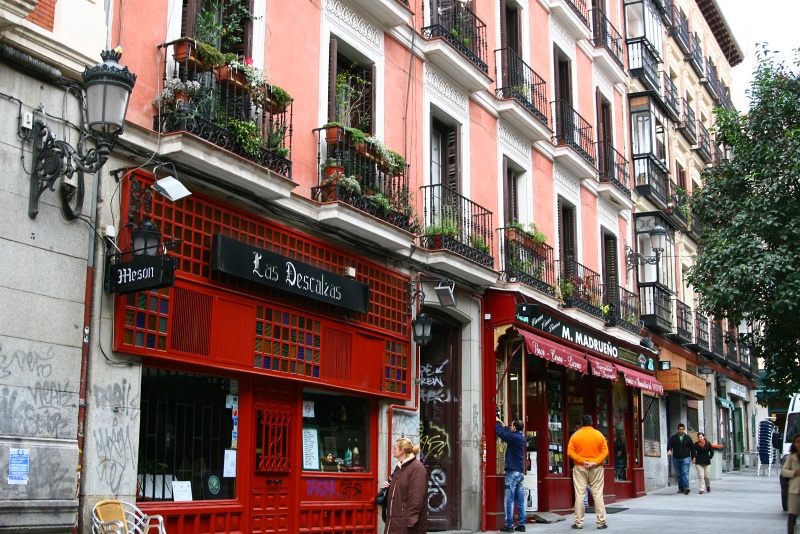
x=652, y=427
x=272, y=441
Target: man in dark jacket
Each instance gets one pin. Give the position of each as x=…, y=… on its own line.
x=681, y=448
x=515, y=473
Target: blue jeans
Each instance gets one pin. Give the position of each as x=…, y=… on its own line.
x=682, y=471
x=515, y=493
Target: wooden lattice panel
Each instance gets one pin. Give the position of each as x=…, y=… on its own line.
x=287, y=342
x=396, y=368
x=145, y=322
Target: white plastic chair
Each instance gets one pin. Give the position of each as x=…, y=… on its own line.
x=118, y=517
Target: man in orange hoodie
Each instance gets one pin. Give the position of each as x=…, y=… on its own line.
x=587, y=449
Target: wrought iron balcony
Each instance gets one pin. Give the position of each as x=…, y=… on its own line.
x=717, y=344
x=688, y=124
x=678, y=210
x=528, y=261
x=695, y=228
x=731, y=351
x=581, y=8
x=665, y=7
x=711, y=80
x=605, y=35
x=684, y=328
x=465, y=32
x=725, y=97
x=613, y=167
x=700, y=339
x=719, y=154
x=651, y=179
x=695, y=55
x=580, y=287
x=623, y=309
x=680, y=30
x=573, y=131
x=643, y=63
x=656, y=302
x=671, y=99
x=218, y=106
x=703, y=147
x=521, y=83
x=455, y=223
x=366, y=176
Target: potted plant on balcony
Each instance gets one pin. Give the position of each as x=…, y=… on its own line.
x=380, y=201
x=352, y=96
x=477, y=242
x=176, y=90
x=332, y=166
x=444, y=226
x=248, y=136
x=276, y=134
x=334, y=132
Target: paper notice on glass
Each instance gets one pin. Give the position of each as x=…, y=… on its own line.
x=181, y=490
x=229, y=470
x=234, y=387
x=18, y=466
x=232, y=401
x=308, y=408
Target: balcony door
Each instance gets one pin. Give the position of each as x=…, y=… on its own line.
x=605, y=154
x=611, y=271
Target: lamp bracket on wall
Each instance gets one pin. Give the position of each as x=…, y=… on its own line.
x=445, y=292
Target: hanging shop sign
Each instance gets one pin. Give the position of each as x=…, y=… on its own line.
x=642, y=381
x=553, y=352
x=141, y=273
x=237, y=258
x=556, y=327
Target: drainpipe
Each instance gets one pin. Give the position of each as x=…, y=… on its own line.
x=414, y=408
x=87, y=318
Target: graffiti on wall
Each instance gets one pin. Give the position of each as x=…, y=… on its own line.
x=432, y=384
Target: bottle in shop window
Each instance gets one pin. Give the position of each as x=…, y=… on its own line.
x=356, y=455
x=530, y=499
x=348, y=456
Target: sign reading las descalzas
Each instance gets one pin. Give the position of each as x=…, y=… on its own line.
x=237, y=258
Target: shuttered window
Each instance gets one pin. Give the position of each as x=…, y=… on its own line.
x=237, y=42
x=351, y=90
x=566, y=230
x=610, y=270
x=510, y=201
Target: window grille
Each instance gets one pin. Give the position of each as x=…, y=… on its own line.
x=652, y=427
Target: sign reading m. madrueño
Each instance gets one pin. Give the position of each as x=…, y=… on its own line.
x=259, y=265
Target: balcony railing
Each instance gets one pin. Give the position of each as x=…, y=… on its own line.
x=581, y=8
x=678, y=209
x=643, y=63
x=711, y=79
x=656, y=305
x=680, y=30
x=717, y=345
x=366, y=176
x=460, y=27
x=725, y=97
x=695, y=227
x=651, y=179
x=671, y=98
x=455, y=223
x=573, y=131
x=665, y=7
x=684, y=329
x=731, y=352
x=527, y=261
x=704, y=143
x=522, y=84
x=700, y=340
x=719, y=154
x=605, y=35
x=695, y=55
x=613, y=167
x=623, y=309
x=688, y=124
x=218, y=106
x=580, y=287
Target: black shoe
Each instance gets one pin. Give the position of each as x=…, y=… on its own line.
x=576, y=527
x=601, y=527
x=708, y=489
x=686, y=491
x=520, y=528
x=507, y=529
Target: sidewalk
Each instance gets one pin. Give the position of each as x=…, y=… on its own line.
x=738, y=503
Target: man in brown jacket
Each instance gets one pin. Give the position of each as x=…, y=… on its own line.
x=587, y=449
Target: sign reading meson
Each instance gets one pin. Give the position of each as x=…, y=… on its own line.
x=246, y=261
x=141, y=273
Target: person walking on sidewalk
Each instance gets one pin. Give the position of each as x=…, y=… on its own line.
x=588, y=449
x=680, y=449
x=791, y=470
x=703, y=453
x=515, y=473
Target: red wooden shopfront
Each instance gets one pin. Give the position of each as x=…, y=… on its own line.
x=300, y=380
x=562, y=380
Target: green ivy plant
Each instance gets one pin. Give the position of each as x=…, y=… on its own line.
x=248, y=135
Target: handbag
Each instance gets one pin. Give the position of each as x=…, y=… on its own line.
x=380, y=499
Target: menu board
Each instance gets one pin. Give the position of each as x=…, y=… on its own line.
x=310, y=447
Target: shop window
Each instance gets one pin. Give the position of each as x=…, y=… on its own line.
x=555, y=422
x=692, y=420
x=602, y=414
x=336, y=431
x=620, y=406
x=652, y=427
x=186, y=435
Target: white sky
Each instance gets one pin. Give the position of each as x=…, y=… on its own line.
x=772, y=21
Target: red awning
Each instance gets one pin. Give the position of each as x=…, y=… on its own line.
x=553, y=352
x=641, y=380
x=603, y=369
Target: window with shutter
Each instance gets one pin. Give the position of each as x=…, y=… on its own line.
x=227, y=25
x=566, y=230
x=510, y=201
x=351, y=90
x=445, y=155
x=610, y=270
